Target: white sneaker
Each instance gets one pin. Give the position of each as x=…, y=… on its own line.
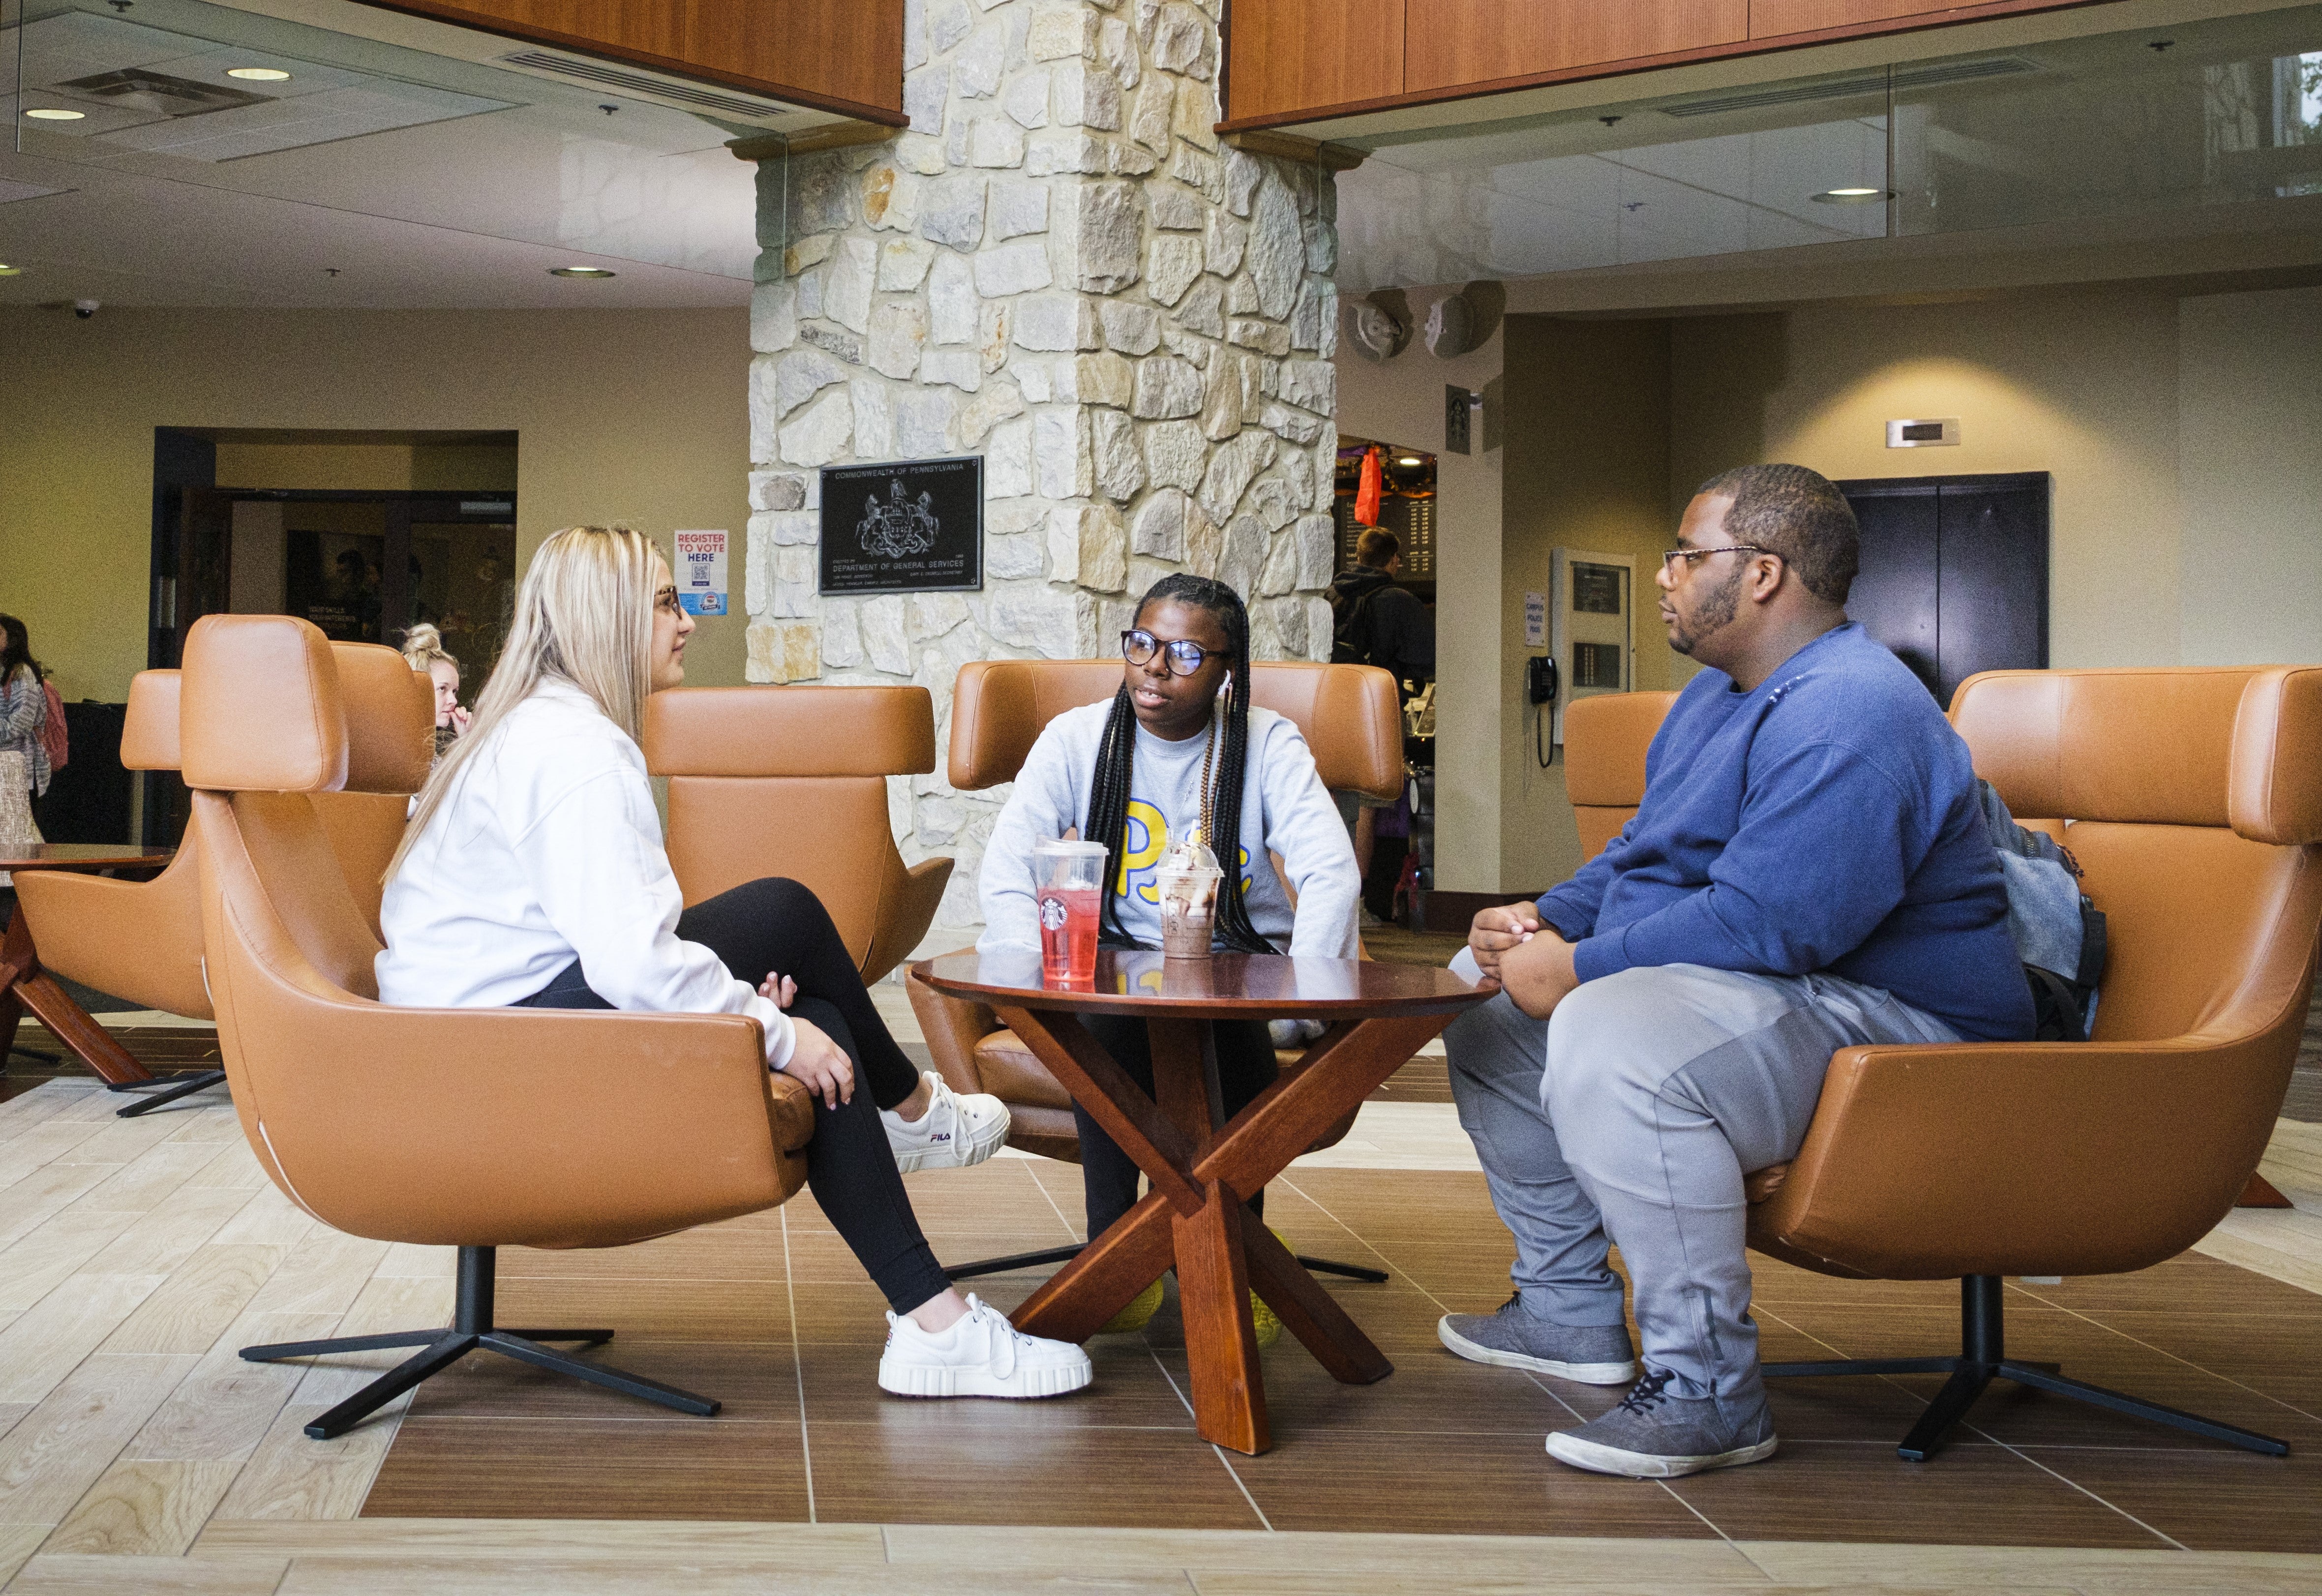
x=957, y=1130
x=982, y=1355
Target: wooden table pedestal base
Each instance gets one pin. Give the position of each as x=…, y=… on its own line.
x=1194, y=1217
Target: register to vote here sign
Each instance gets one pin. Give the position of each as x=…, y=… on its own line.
x=701, y=572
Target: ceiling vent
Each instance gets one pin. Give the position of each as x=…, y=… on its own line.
x=1860, y=85
x=665, y=90
x=140, y=89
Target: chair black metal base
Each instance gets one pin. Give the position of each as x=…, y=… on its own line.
x=1047, y=1256
x=1983, y=1358
x=172, y=1087
x=471, y=1330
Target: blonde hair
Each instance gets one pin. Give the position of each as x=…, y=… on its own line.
x=422, y=646
x=584, y=616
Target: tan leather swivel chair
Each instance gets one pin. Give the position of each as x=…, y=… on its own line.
x=141, y=940
x=2193, y=800
x=1349, y=716
x=1605, y=736
x=792, y=781
x=473, y=1128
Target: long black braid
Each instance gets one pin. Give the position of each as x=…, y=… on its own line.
x=1108, y=808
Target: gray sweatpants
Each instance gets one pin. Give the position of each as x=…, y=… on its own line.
x=1632, y=1113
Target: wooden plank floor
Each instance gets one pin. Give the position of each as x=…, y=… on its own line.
x=138, y=1452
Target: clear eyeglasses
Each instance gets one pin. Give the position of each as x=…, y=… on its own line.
x=1138, y=647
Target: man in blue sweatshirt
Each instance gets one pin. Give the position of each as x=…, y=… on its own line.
x=1808, y=871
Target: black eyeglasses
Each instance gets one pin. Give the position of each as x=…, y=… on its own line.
x=1185, y=657
x=667, y=600
x=1671, y=557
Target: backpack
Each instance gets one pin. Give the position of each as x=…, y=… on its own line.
x=2059, y=933
x=53, y=728
x=1351, y=625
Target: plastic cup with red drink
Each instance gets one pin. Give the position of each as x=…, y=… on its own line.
x=1068, y=884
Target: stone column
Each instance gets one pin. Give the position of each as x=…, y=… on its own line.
x=1057, y=267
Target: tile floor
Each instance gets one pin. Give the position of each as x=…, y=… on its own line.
x=770, y=1313
x=137, y=1452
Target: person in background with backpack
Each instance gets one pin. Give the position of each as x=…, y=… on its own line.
x=24, y=762
x=1376, y=623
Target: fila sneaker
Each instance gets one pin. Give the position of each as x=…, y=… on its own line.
x=980, y=1355
x=957, y=1130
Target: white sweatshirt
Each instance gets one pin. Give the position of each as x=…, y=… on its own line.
x=1286, y=809
x=549, y=849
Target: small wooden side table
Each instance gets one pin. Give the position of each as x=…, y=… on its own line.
x=1193, y=1217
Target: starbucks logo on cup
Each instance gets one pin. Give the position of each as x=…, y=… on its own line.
x=1053, y=913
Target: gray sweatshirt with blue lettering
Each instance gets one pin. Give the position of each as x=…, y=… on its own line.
x=1285, y=811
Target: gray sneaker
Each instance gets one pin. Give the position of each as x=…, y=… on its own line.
x=1594, y=1354
x=1654, y=1435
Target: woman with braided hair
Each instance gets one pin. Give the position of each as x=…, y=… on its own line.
x=1178, y=749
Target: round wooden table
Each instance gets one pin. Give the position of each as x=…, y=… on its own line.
x=1193, y=1217
x=23, y=984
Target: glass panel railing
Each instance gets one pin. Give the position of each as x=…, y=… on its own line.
x=2215, y=112
x=1617, y=185
x=2220, y=112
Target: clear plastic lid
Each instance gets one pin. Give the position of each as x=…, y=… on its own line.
x=1189, y=853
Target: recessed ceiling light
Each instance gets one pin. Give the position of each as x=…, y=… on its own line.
x=1410, y=460
x=54, y=114
x=590, y=271
x=259, y=73
x=1852, y=196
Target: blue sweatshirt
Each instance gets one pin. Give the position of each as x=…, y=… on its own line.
x=1825, y=821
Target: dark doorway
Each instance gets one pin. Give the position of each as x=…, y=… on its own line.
x=1954, y=573
x=361, y=564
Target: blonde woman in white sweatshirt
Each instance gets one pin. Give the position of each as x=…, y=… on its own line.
x=533, y=874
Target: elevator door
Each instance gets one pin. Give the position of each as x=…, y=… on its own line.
x=1954, y=574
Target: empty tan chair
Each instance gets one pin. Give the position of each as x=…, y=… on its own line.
x=1605, y=736
x=473, y=1128
x=1350, y=717
x=792, y=781
x=138, y=941
x=141, y=941
x=1984, y=1160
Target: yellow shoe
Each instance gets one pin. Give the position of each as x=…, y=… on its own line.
x=1269, y=1328
x=1138, y=1313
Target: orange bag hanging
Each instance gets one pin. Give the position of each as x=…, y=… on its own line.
x=1367, y=495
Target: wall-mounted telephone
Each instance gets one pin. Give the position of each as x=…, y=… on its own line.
x=1540, y=691
x=1539, y=679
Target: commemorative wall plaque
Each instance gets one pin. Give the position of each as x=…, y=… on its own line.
x=908, y=526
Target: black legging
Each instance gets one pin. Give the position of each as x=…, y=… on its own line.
x=776, y=925
x=1245, y=1067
